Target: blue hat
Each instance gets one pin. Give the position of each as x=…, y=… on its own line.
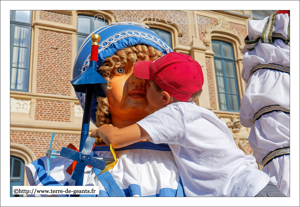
x=113, y=38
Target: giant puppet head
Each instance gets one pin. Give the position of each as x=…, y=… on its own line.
x=120, y=47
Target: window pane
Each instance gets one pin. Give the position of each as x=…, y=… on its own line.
x=229, y=69
x=220, y=84
x=17, y=168
x=20, y=57
x=227, y=51
x=22, y=82
x=10, y=166
x=231, y=85
x=21, y=36
x=20, y=49
x=79, y=41
x=218, y=66
x=226, y=81
x=233, y=103
x=216, y=48
x=23, y=16
x=13, y=76
x=19, y=79
x=222, y=101
x=84, y=25
x=164, y=35
x=99, y=23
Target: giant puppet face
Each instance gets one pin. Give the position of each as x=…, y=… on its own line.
x=126, y=94
x=120, y=47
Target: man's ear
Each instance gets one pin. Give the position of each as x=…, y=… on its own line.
x=166, y=98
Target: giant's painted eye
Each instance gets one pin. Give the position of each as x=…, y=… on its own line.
x=120, y=70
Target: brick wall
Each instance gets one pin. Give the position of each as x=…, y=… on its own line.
x=56, y=17
x=54, y=63
x=48, y=110
x=54, y=69
x=202, y=23
x=240, y=30
x=30, y=140
x=165, y=16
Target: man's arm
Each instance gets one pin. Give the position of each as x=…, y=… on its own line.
x=120, y=137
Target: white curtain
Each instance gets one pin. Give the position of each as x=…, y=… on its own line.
x=20, y=58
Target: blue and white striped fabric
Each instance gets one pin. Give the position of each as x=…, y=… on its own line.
x=143, y=169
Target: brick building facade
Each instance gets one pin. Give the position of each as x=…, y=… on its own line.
x=49, y=103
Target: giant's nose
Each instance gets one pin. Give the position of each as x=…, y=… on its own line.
x=134, y=80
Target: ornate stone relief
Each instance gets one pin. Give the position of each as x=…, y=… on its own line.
x=220, y=25
x=244, y=145
x=20, y=105
x=226, y=120
x=177, y=19
x=78, y=111
x=233, y=123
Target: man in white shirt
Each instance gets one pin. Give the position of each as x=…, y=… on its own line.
x=207, y=158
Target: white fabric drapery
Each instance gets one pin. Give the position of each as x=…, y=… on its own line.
x=267, y=87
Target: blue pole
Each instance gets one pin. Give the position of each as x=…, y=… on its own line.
x=86, y=83
x=86, y=116
x=85, y=122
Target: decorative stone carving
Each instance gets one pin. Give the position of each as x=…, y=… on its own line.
x=244, y=145
x=236, y=125
x=220, y=25
x=233, y=123
x=176, y=19
x=20, y=105
x=226, y=120
x=197, y=44
x=78, y=111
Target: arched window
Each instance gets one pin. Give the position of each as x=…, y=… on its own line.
x=226, y=76
x=16, y=174
x=20, y=36
x=86, y=25
x=164, y=35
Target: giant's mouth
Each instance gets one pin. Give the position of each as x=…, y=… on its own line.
x=137, y=94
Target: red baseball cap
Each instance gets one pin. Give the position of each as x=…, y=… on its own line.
x=176, y=73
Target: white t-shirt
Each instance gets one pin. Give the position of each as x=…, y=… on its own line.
x=204, y=150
